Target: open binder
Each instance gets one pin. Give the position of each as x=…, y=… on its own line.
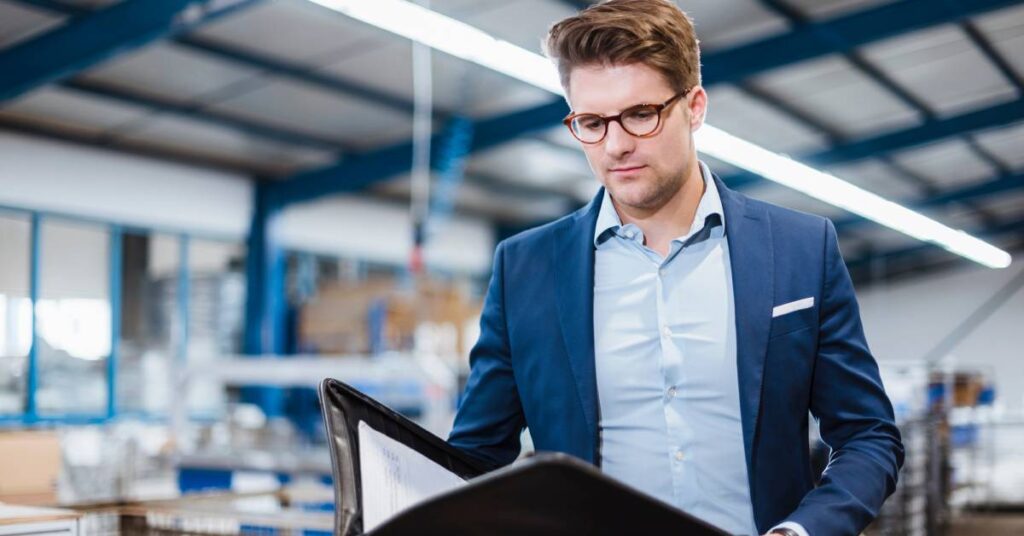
x=544, y=495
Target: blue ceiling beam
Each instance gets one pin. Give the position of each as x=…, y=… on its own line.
x=927, y=132
x=89, y=39
x=578, y=5
x=839, y=35
x=358, y=171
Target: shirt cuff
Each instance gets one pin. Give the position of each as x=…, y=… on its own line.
x=791, y=525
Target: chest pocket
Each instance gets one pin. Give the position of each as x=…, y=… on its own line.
x=795, y=321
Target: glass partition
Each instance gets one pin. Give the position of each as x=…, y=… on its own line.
x=15, y=311
x=73, y=318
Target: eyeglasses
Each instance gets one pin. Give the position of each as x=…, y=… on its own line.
x=641, y=121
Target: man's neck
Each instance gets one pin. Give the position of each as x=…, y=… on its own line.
x=673, y=219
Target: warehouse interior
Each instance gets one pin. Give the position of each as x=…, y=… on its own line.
x=209, y=206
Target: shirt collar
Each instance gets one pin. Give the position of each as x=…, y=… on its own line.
x=609, y=223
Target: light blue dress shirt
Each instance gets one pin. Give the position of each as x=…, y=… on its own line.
x=665, y=351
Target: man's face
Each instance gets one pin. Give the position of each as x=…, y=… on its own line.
x=642, y=173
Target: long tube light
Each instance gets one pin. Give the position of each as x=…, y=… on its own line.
x=461, y=40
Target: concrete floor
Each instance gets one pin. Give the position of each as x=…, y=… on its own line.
x=988, y=524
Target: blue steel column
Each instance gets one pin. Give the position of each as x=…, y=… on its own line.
x=450, y=164
x=116, y=245
x=265, y=301
x=32, y=380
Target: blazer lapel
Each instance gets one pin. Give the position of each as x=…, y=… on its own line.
x=751, y=255
x=574, y=254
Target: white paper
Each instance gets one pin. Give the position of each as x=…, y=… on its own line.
x=396, y=477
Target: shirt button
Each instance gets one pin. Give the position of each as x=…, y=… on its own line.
x=679, y=456
x=671, y=392
x=666, y=332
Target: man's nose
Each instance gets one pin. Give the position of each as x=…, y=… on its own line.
x=617, y=141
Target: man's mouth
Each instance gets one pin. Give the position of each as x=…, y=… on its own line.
x=625, y=169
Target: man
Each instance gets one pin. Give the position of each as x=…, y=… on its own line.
x=674, y=332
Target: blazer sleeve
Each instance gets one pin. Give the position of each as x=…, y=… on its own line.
x=855, y=415
x=490, y=418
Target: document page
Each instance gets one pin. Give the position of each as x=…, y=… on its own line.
x=395, y=477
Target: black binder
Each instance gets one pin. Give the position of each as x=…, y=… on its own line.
x=544, y=495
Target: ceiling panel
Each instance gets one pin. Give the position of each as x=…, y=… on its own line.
x=817, y=86
x=733, y=111
x=172, y=72
x=69, y=109
x=1005, y=30
x=523, y=23
x=19, y=22
x=310, y=109
x=777, y=194
x=956, y=215
x=827, y=9
x=559, y=135
x=458, y=86
x=879, y=238
x=297, y=31
x=1006, y=144
x=726, y=23
x=943, y=68
x=1008, y=206
x=196, y=137
x=475, y=198
x=947, y=164
x=717, y=167
x=878, y=177
x=531, y=162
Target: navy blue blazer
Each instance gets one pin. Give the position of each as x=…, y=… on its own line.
x=533, y=364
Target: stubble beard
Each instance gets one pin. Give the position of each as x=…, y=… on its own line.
x=655, y=193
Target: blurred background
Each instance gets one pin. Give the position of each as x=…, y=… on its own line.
x=208, y=206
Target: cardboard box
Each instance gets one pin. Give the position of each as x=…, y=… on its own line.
x=32, y=499
x=337, y=321
x=30, y=464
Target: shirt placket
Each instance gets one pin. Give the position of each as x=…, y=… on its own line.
x=671, y=365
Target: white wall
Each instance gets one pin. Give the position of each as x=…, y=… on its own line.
x=382, y=231
x=65, y=178
x=907, y=319
x=69, y=179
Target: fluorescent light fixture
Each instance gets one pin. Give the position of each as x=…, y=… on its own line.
x=451, y=36
x=837, y=192
x=461, y=40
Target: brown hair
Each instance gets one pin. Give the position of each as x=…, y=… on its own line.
x=620, y=32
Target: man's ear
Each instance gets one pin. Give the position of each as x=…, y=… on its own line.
x=698, y=104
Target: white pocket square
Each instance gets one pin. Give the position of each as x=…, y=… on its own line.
x=792, y=306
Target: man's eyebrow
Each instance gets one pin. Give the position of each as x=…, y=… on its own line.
x=638, y=102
